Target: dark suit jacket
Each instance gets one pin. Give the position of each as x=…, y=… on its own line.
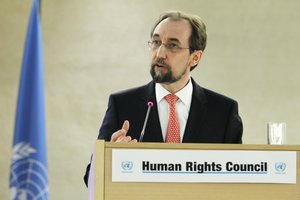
x=213, y=118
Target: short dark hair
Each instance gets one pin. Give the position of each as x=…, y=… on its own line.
x=197, y=40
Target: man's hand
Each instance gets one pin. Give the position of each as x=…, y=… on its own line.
x=120, y=135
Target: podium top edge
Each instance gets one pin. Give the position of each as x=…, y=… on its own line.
x=199, y=146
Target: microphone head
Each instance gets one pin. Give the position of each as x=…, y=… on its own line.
x=150, y=103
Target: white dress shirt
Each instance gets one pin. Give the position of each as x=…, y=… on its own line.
x=182, y=107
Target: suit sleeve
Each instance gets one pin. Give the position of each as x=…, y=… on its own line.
x=87, y=173
x=110, y=122
x=234, y=129
x=108, y=127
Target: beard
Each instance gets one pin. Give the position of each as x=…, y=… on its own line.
x=167, y=77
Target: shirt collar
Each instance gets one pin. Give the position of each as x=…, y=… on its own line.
x=185, y=94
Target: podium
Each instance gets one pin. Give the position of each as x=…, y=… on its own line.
x=106, y=189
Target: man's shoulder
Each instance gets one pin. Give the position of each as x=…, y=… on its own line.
x=216, y=95
x=210, y=95
x=140, y=91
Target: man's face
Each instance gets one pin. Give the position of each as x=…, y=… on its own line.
x=169, y=65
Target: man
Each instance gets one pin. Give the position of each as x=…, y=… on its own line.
x=197, y=115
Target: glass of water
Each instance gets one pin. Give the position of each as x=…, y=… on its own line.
x=277, y=133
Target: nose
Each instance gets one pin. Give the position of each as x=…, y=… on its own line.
x=161, y=52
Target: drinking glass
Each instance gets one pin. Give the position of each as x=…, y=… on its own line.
x=277, y=133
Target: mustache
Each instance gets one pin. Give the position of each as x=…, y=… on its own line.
x=160, y=62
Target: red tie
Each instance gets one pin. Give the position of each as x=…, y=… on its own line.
x=173, y=130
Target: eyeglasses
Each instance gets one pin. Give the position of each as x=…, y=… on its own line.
x=170, y=46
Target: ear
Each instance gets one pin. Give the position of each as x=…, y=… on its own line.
x=196, y=57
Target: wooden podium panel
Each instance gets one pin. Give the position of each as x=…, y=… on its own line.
x=105, y=189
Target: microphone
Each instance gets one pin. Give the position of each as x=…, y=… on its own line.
x=150, y=105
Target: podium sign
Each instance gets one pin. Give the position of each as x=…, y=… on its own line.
x=276, y=171
x=210, y=166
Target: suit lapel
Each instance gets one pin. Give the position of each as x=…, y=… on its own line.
x=153, y=130
x=196, y=115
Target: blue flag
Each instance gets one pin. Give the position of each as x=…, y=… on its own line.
x=29, y=174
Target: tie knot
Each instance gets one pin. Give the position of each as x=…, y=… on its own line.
x=171, y=98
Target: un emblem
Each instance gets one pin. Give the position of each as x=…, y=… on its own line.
x=127, y=165
x=280, y=167
x=28, y=177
